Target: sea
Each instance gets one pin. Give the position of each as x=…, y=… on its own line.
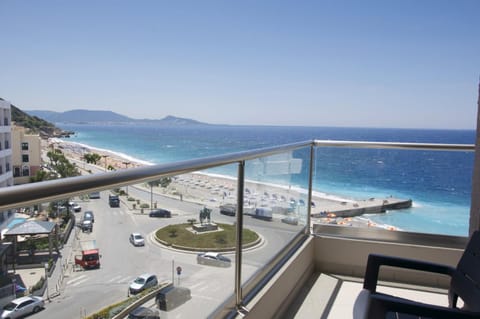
x=438, y=182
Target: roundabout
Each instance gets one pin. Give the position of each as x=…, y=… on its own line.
x=221, y=239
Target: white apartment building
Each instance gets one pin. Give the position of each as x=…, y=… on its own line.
x=6, y=175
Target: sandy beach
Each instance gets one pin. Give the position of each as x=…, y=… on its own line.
x=214, y=190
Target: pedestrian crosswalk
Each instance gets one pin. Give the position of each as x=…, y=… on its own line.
x=197, y=287
x=117, y=213
x=86, y=279
x=77, y=280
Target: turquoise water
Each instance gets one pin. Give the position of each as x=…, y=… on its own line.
x=439, y=183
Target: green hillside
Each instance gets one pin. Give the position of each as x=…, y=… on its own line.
x=34, y=124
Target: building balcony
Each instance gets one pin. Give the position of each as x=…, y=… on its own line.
x=312, y=255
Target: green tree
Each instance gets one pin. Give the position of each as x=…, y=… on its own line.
x=55, y=156
x=165, y=181
x=42, y=175
x=66, y=169
x=92, y=158
x=61, y=165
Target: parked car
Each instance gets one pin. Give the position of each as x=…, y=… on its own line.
x=292, y=220
x=75, y=207
x=23, y=306
x=160, y=213
x=94, y=195
x=170, y=297
x=86, y=225
x=137, y=239
x=88, y=215
x=144, y=313
x=213, y=259
x=143, y=282
x=228, y=209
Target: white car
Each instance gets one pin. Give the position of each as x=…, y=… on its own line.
x=137, y=239
x=76, y=208
x=213, y=259
x=23, y=306
x=143, y=282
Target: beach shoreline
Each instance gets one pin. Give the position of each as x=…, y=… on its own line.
x=215, y=189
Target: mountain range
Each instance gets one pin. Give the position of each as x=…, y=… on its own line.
x=91, y=116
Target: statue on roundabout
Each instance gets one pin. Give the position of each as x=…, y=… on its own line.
x=205, y=215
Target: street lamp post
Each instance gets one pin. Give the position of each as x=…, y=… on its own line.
x=126, y=166
x=151, y=195
x=105, y=159
x=46, y=280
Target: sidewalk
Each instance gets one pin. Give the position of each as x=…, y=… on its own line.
x=63, y=267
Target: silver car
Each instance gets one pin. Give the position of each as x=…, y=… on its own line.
x=137, y=239
x=292, y=220
x=143, y=282
x=144, y=313
x=213, y=259
x=23, y=306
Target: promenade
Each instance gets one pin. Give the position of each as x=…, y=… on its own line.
x=215, y=190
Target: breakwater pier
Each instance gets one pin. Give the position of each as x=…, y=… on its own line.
x=360, y=207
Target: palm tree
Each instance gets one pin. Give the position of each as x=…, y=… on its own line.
x=92, y=158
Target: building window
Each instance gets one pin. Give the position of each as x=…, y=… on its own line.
x=5, y=121
x=16, y=171
x=24, y=146
x=7, y=167
x=7, y=146
x=0, y=146
x=26, y=171
x=25, y=158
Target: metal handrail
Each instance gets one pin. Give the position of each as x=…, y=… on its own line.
x=34, y=193
x=396, y=145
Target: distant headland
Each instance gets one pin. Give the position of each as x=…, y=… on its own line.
x=94, y=117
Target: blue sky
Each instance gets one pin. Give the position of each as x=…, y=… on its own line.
x=409, y=63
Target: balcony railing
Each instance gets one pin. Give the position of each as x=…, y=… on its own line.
x=275, y=181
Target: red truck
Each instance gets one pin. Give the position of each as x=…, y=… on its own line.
x=90, y=257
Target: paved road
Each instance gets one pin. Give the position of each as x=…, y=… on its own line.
x=85, y=292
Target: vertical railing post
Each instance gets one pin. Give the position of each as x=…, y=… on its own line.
x=310, y=184
x=239, y=237
x=474, y=223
